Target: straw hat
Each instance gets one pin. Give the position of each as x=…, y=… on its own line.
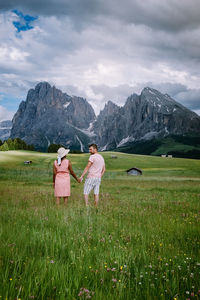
x=62, y=152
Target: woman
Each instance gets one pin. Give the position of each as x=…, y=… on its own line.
x=62, y=169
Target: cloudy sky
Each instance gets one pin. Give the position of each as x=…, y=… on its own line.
x=100, y=49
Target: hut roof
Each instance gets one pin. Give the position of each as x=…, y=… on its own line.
x=134, y=169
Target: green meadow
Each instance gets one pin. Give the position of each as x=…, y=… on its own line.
x=143, y=241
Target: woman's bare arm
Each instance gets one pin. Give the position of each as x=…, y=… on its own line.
x=54, y=174
x=72, y=172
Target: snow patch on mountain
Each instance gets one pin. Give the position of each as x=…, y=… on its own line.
x=81, y=144
x=125, y=141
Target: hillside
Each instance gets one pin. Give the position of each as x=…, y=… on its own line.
x=151, y=165
x=187, y=146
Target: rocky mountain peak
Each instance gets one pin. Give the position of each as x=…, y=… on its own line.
x=50, y=116
x=150, y=93
x=45, y=86
x=110, y=108
x=148, y=115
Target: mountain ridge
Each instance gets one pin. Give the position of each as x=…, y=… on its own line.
x=50, y=116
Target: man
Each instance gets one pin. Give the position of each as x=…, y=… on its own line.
x=95, y=169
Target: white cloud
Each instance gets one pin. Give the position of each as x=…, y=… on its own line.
x=103, y=50
x=5, y=114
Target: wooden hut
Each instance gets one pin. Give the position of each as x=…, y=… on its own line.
x=134, y=171
x=28, y=162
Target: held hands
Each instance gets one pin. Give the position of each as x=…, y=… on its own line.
x=80, y=179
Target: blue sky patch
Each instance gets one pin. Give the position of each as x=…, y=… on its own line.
x=10, y=102
x=24, y=22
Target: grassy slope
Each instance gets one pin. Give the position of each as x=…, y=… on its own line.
x=142, y=243
x=180, y=146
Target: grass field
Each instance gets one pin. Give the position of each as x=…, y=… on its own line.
x=143, y=241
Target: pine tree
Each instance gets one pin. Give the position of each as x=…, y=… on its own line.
x=4, y=147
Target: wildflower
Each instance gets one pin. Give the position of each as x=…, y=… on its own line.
x=51, y=261
x=108, y=269
x=114, y=280
x=192, y=294
x=152, y=284
x=113, y=269
x=90, y=267
x=85, y=293
x=121, y=267
x=102, y=240
x=10, y=279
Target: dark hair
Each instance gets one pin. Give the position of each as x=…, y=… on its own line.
x=94, y=146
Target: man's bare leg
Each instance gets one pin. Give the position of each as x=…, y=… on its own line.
x=86, y=199
x=65, y=200
x=57, y=200
x=96, y=200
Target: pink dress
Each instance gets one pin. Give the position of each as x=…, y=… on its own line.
x=62, y=180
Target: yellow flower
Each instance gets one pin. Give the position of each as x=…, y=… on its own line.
x=90, y=267
x=121, y=267
x=119, y=280
x=10, y=278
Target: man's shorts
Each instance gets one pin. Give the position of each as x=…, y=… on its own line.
x=92, y=183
